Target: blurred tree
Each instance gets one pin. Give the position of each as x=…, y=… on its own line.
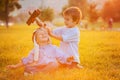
x=111, y=9
x=93, y=13
x=47, y=14
x=82, y=4
x=7, y=6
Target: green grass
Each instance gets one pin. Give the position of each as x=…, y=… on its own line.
x=99, y=54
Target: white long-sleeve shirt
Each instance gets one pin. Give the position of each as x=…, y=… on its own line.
x=69, y=45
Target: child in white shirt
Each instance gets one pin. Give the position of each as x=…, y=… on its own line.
x=69, y=35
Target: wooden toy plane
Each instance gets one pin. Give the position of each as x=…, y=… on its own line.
x=33, y=16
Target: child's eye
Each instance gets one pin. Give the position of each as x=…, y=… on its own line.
x=67, y=19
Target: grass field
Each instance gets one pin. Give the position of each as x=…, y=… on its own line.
x=99, y=54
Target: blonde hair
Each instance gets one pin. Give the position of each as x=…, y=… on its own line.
x=74, y=12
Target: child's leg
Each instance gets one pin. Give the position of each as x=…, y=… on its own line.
x=15, y=66
x=23, y=62
x=77, y=65
x=50, y=67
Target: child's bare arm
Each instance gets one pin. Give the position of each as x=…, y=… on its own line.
x=55, y=36
x=58, y=37
x=39, y=22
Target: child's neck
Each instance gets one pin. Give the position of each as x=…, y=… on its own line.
x=43, y=44
x=71, y=27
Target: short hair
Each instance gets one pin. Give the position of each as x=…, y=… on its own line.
x=74, y=12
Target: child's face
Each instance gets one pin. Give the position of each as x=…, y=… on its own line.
x=42, y=36
x=69, y=21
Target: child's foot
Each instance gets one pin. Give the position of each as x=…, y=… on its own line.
x=76, y=65
x=11, y=67
x=70, y=59
x=79, y=66
x=27, y=74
